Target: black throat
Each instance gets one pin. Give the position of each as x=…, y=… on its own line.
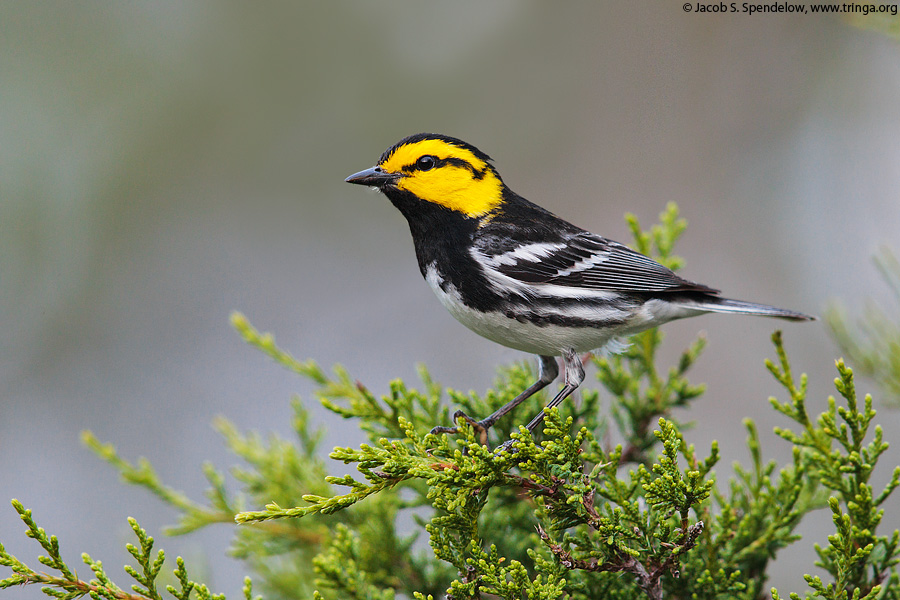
x=442, y=238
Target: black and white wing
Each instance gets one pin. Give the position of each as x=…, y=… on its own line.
x=578, y=264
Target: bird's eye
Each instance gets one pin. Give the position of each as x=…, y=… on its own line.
x=426, y=163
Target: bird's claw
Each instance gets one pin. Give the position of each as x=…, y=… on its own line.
x=480, y=427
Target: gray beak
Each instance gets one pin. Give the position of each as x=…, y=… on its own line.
x=376, y=177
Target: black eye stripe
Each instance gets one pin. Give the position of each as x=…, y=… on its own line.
x=458, y=162
x=440, y=162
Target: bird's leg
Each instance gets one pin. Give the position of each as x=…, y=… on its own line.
x=574, y=375
x=549, y=372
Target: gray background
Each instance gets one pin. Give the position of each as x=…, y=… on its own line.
x=162, y=164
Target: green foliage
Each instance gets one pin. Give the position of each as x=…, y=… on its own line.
x=834, y=448
x=67, y=585
x=588, y=507
x=872, y=343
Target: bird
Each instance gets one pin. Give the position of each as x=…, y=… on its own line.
x=520, y=276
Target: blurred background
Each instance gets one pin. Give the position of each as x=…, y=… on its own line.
x=165, y=163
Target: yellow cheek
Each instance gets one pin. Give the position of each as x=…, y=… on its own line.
x=456, y=189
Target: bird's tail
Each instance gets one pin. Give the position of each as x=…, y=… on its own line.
x=727, y=305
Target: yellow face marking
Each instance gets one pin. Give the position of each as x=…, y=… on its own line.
x=473, y=192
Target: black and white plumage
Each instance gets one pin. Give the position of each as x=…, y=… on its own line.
x=519, y=275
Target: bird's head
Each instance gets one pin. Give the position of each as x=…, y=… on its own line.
x=438, y=169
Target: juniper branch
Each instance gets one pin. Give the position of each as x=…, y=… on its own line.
x=68, y=586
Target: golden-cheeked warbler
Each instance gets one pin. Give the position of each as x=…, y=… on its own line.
x=519, y=275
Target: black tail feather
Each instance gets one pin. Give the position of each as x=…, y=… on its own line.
x=727, y=305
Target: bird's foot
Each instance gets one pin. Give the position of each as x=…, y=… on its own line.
x=481, y=427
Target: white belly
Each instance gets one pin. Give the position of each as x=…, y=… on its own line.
x=549, y=339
